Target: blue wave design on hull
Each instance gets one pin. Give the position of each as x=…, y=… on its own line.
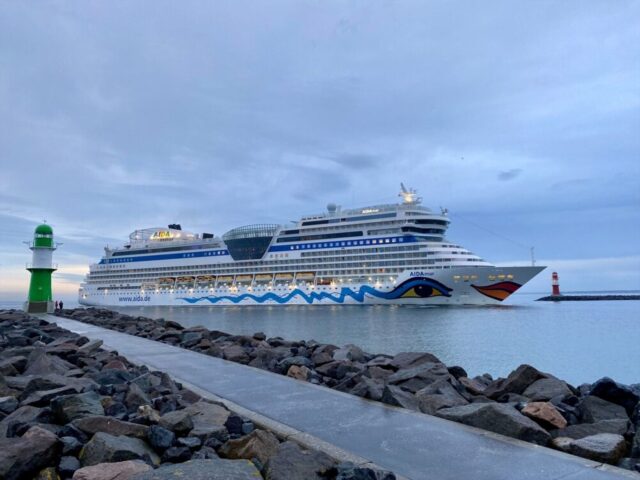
x=426, y=287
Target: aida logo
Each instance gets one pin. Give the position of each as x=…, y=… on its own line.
x=420, y=274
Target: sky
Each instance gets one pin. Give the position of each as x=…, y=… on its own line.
x=521, y=118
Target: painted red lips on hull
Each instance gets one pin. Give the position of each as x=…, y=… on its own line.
x=498, y=291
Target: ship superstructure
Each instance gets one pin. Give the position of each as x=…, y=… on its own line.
x=380, y=254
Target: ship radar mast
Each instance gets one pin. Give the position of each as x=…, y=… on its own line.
x=409, y=195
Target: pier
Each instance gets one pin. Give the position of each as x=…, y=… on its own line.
x=414, y=446
x=586, y=298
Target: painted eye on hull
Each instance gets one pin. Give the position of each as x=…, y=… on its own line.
x=420, y=288
x=422, y=291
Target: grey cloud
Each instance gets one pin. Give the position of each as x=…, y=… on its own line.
x=509, y=174
x=120, y=116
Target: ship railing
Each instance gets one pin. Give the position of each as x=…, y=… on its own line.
x=30, y=265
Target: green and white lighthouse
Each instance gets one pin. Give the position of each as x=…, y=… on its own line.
x=40, y=297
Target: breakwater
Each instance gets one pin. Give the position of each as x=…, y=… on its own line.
x=70, y=409
x=598, y=421
x=586, y=298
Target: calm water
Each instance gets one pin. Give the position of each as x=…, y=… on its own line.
x=576, y=341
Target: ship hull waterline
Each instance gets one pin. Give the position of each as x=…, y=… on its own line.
x=484, y=285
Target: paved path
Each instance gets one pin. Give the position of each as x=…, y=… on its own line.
x=410, y=444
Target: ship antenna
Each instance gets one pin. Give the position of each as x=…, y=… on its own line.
x=409, y=195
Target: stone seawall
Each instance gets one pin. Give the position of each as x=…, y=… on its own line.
x=586, y=298
x=599, y=421
x=70, y=409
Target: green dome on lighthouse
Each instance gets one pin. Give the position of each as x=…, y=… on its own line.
x=43, y=236
x=44, y=229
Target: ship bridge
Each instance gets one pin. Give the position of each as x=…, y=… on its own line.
x=250, y=242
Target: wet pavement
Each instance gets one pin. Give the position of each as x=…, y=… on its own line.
x=410, y=444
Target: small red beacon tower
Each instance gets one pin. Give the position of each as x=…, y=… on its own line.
x=555, y=286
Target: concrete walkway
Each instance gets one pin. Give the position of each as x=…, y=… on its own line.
x=410, y=444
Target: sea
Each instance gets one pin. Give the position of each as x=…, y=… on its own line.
x=579, y=342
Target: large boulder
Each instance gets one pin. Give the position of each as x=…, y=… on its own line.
x=69, y=407
x=68, y=466
x=439, y=394
x=411, y=359
x=582, y=430
x=349, y=352
x=8, y=404
x=267, y=358
x=604, y=447
x=208, y=418
x=614, y=392
x=42, y=398
x=178, y=421
x=545, y=389
x=109, y=448
x=40, y=363
x=177, y=454
x=593, y=409
x=472, y=385
x=290, y=462
x=25, y=456
x=544, y=414
x=428, y=371
x=136, y=397
x=209, y=469
x=299, y=373
x=499, y=418
x=298, y=360
x=517, y=382
x=98, y=423
x=368, y=388
x=13, y=365
x=26, y=414
x=258, y=444
x=393, y=395
x=160, y=438
x=235, y=353
x=112, y=471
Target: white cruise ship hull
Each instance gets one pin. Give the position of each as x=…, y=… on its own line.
x=478, y=285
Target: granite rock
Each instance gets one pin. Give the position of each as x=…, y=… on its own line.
x=291, y=462
x=545, y=389
x=544, y=414
x=498, y=418
x=24, y=457
x=109, y=448
x=112, y=471
x=258, y=444
x=604, y=447
x=70, y=407
x=209, y=469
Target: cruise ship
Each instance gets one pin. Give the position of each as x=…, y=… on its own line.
x=381, y=254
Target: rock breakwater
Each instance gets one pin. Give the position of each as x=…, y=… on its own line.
x=70, y=409
x=530, y=405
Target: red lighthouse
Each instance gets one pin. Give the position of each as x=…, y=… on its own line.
x=555, y=285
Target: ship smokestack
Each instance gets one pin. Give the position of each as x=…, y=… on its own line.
x=555, y=285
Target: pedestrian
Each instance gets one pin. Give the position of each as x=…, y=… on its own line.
x=60, y=304
x=56, y=304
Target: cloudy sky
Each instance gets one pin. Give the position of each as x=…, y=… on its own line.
x=523, y=118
